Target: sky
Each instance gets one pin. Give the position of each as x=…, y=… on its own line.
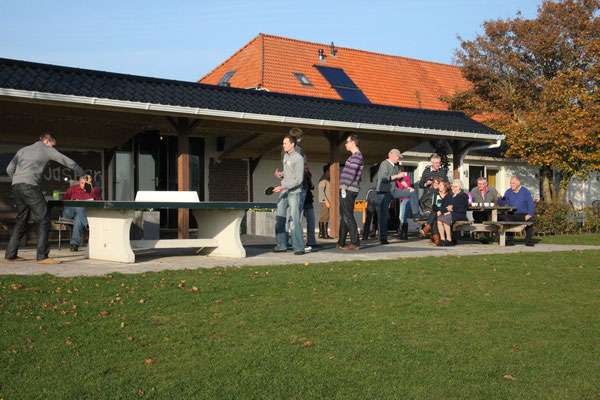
x=185, y=40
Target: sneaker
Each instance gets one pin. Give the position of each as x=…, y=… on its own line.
x=74, y=247
x=350, y=247
x=529, y=244
x=338, y=246
x=384, y=241
x=14, y=259
x=49, y=261
x=276, y=250
x=307, y=249
x=299, y=253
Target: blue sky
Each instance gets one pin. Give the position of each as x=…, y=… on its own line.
x=186, y=39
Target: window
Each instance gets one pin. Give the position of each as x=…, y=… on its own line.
x=226, y=77
x=343, y=85
x=303, y=79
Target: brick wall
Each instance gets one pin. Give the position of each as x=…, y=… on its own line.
x=228, y=180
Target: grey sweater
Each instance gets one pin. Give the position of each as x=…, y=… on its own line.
x=28, y=165
x=293, y=172
x=384, y=176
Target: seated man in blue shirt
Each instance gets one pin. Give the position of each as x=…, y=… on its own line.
x=519, y=197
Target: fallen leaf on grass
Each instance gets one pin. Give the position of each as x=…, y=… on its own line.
x=68, y=342
x=515, y=347
x=149, y=361
x=122, y=324
x=308, y=343
x=510, y=377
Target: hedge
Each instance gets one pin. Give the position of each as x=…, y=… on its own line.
x=557, y=219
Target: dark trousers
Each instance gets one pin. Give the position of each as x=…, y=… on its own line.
x=384, y=213
x=372, y=214
x=347, y=221
x=432, y=222
x=29, y=200
x=520, y=217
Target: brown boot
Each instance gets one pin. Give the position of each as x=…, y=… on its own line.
x=423, y=232
x=436, y=240
x=49, y=261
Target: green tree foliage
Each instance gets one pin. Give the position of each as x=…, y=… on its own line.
x=538, y=82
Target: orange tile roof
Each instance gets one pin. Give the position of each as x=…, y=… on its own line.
x=269, y=62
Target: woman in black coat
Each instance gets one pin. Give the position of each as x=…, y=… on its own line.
x=454, y=208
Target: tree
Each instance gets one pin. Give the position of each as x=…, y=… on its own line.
x=538, y=81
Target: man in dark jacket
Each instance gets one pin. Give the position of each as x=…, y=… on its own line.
x=26, y=170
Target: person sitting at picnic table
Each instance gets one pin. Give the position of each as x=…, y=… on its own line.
x=519, y=197
x=480, y=195
x=436, y=203
x=82, y=191
x=454, y=208
x=426, y=182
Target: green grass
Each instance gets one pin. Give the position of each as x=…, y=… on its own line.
x=498, y=326
x=583, y=239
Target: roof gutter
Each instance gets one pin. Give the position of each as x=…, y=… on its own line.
x=480, y=147
x=235, y=115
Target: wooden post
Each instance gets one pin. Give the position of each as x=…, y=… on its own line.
x=335, y=139
x=183, y=182
x=183, y=128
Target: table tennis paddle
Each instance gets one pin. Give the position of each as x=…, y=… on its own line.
x=269, y=190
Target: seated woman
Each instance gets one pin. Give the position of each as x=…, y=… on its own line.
x=454, y=208
x=436, y=203
x=403, y=183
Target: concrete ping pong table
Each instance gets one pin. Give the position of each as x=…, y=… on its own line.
x=110, y=222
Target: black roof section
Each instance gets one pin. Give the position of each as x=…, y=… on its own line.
x=47, y=78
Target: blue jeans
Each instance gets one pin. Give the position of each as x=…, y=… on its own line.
x=77, y=214
x=404, y=211
x=309, y=214
x=289, y=201
x=413, y=198
x=289, y=215
x=29, y=200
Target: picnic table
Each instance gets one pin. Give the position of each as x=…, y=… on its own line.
x=110, y=222
x=492, y=224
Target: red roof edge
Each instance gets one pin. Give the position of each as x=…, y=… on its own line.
x=260, y=35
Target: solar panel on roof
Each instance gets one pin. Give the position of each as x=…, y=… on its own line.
x=336, y=77
x=353, y=95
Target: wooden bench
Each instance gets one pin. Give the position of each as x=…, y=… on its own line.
x=110, y=223
x=501, y=228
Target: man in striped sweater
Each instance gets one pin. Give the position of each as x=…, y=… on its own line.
x=349, y=188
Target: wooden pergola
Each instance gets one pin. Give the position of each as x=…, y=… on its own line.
x=85, y=119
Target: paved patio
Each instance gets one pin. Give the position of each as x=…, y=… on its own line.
x=258, y=249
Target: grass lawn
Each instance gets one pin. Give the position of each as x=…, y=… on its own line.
x=499, y=326
x=589, y=239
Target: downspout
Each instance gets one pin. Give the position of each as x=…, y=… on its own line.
x=481, y=147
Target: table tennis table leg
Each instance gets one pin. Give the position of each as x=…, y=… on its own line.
x=109, y=235
x=224, y=226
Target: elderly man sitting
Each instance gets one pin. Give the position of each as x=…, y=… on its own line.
x=483, y=194
x=519, y=197
x=81, y=191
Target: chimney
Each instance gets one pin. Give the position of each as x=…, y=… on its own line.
x=333, y=50
x=321, y=56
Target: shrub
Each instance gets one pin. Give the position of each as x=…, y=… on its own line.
x=553, y=219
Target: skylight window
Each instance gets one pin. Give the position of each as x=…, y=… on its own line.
x=226, y=77
x=343, y=85
x=303, y=79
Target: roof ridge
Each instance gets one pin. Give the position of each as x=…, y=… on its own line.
x=230, y=57
x=356, y=50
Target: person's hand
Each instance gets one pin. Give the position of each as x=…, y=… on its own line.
x=449, y=208
x=327, y=204
x=278, y=189
x=527, y=217
x=410, y=189
x=278, y=174
x=499, y=195
x=428, y=183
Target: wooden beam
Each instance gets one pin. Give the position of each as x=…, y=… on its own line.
x=183, y=183
x=334, y=139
